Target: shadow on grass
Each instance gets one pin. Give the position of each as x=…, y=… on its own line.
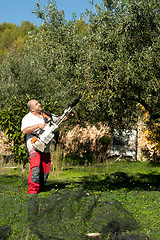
x=12, y=182
x=116, y=181
x=55, y=185
x=119, y=180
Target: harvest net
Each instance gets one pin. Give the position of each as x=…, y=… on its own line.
x=64, y=214
x=78, y=215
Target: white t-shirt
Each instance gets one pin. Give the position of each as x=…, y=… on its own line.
x=30, y=120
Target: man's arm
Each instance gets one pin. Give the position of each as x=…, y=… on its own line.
x=32, y=128
x=40, y=125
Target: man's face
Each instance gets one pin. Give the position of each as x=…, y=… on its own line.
x=36, y=106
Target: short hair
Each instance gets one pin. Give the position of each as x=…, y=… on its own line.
x=29, y=104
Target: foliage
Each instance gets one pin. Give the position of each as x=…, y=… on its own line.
x=127, y=46
x=152, y=135
x=105, y=140
x=14, y=36
x=111, y=63
x=10, y=123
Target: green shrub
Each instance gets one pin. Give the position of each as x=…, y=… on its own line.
x=105, y=140
x=10, y=122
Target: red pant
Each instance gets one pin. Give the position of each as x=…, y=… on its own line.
x=40, y=165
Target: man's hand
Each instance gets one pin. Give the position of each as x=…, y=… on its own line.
x=71, y=115
x=41, y=125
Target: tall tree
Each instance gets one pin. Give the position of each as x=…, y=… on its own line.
x=114, y=63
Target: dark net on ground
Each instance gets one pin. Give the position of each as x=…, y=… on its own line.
x=64, y=214
x=78, y=215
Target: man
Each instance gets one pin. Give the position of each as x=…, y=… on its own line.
x=40, y=162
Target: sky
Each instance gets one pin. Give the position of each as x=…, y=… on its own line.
x=16, y=11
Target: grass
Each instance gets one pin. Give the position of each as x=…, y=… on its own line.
x=133, y=184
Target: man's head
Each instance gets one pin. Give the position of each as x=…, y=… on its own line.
x=34, y=106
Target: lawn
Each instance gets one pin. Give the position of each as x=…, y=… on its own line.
x=117, y=200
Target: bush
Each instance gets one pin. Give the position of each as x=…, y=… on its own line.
x=10, y=122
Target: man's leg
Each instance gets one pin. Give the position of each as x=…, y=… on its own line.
x=46, y=165
x=34, y=174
